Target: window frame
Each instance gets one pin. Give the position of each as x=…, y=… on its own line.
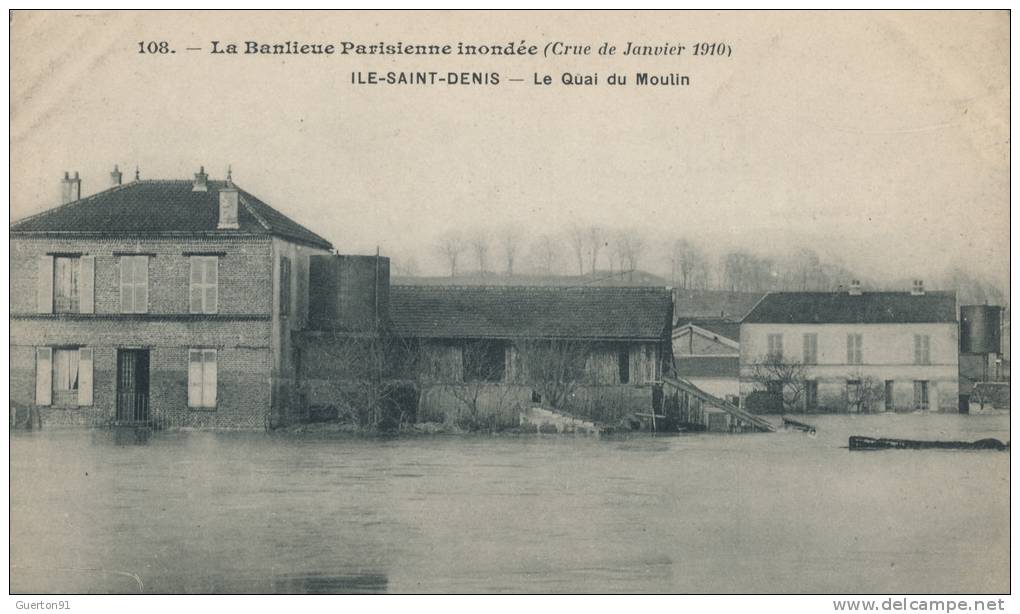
x=65, y=397
x=810, y=343
x=855, y=349
x=74, y=300
x=922, y=394
x=922, y=349
x=204, y=384
x=133, y=286
x=774, y=344
x=203, y=285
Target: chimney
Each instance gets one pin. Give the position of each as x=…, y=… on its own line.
x=228, y=205
x=115, y=176
x=855, y=287
x=201, y=178
x=71, y=188
x=918, y=289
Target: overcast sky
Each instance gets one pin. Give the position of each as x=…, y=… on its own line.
x=877, y=138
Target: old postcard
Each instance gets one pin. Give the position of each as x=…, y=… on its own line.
x=699, y=303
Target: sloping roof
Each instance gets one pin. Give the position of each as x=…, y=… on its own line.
x=844, y=308
x=160, y=206
x=707, y=366
x=530, y=312
x=691, y=304
x=723, y=327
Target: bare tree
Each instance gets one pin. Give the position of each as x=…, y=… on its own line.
x=510, y=243
x=863, y=393
x=451, y=246
x=483, y=374
x=596, y=239
x=785, y=380
x=687, y=263
x=553, y=368
x=479, y=245
x=545, y=252
x=578, y=238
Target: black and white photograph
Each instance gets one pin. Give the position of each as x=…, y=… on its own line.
x=695, y=303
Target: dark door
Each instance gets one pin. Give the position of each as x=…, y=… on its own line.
x=132, y=385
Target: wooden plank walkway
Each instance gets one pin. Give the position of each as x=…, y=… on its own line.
x=714, y=401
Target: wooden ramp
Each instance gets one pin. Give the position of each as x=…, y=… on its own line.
x=713, y=401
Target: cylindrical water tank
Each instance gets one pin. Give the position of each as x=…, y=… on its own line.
x=980, y=327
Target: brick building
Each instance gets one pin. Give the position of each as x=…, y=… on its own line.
x=170, y=302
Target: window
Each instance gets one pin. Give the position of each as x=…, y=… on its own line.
x=134, y=284
x=922, y=350
x=854, y=349
x=890, y=400
x=920, y=394
x=854, y=396
x=811, y=349
x=65, y=284
x=811, y=395
x=65, y=377
x=623, y=364
x=484, y=361
x=775, y=346
x=284, y=286
x=202, y=378
x=204, y=287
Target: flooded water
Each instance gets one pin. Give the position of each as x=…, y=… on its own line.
x=771, y=513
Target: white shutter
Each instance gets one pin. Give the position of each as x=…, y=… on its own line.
x=43, y=376
x=194, y=378
x=213, y=289
x=85, y=376
x=87, y=285
x=142, y=284
x=44, y=285
x=195, y=286
x=209, y=378
x=125, y=289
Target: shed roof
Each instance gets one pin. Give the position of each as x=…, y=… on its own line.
x=845, y=308
x=531, y=312
x=162, y=206
x=724, y=327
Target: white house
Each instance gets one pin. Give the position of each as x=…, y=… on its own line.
x=861, y=351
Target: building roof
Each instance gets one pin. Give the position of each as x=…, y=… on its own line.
x=164, y=206
x=844, y=308
x=531, y=312
x=723, y=327
x=707, y=366
x=691, y=304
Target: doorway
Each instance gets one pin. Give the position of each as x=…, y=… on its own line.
x=132, y=385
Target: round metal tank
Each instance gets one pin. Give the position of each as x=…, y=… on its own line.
x=979, y=329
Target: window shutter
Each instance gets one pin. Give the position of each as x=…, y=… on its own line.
x=85, y=376
x=43, y=376
x=209, y=378
x=196, y=288
x=126, y=298
x=44, y=285
x=141, y=279
x=87, y=285
x=194, y=378
x=212, y=292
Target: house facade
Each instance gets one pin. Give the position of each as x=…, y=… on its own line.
x=161, y=302
x=853, y=351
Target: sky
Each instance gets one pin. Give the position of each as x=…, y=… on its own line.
x=880, y=139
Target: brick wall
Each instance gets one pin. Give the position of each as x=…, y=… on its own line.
x=240, y=332
x=245, y=272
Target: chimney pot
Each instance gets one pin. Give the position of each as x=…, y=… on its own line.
x=228, y=207
x=201, y=181
x=115, y=176
x=70, y=188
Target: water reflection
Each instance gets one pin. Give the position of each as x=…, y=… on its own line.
x=319, y=584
